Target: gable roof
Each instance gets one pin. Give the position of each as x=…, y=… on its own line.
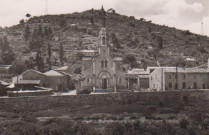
x=53, y=73
x=32, y=71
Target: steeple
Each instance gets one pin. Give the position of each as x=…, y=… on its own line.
x=102, y=36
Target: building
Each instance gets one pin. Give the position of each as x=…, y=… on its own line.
x=58, y=81
x=28, y=80
x=138, y=79
x=4, y=69
x=172, y=78
x=102, y=71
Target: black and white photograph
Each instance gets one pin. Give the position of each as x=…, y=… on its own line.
x=104, y=67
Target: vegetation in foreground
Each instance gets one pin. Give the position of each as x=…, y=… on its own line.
x=127, y=118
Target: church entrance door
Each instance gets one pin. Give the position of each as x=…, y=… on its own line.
x=104, y=83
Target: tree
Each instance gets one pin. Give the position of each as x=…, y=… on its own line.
x=115, y=42
x=62, y=22
x=1, y=43
x=18, y=66
x=39, y=61
x=160, y=42
x=22, y=21
x=26, y=33
x=77, y=70
x=49, y=54
x=40, y=32
x=28, y=15
x=130, y=59
x=8, y=56
x=179, y=62
x=35, y=45
x=5, y=45
x=61, y=54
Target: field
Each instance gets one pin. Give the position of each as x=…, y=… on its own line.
x=163, y=113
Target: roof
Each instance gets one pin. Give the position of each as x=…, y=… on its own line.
x=118, y=59
x=66, y=74
x=62, y=68
x=53, y=73
x=137, y=71
x=87, y=58
x=32, y=70
x=28, y=82
x=5, y=66
x=3, y=83
x=88, y=51
x=187, y=70
x=191, y=59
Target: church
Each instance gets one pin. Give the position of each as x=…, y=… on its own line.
x=102, y=72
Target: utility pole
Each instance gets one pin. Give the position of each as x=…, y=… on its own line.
x=46, y=9
x=202, y=28
x=176, y=77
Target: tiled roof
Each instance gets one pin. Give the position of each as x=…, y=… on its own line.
x=53, y=73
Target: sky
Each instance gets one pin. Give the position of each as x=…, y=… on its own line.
x=182, y=14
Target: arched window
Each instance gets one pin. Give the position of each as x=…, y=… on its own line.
x=103, y=41
x=104, y=63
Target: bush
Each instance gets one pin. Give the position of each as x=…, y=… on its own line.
x=185, y=99
x=183, y=123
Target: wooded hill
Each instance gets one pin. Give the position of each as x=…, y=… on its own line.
x=148, y=42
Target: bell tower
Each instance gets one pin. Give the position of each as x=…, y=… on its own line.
x=103, y=37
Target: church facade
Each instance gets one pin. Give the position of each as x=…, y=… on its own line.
x=103, y=71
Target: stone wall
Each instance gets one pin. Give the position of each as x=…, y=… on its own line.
x=71, y=102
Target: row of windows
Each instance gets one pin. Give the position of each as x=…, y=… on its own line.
x=183, y=76
x=184, y=85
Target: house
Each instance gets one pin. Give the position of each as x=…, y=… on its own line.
x=102, y=71
x=138, y=79
x=58, y=81
x=4, y=69
x=32, y=74
x=163, y=78
x=27, y=80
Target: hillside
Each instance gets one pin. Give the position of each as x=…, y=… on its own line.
x=139, y=37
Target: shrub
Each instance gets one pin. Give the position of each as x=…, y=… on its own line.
x=185, y=99
x=183, y=123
